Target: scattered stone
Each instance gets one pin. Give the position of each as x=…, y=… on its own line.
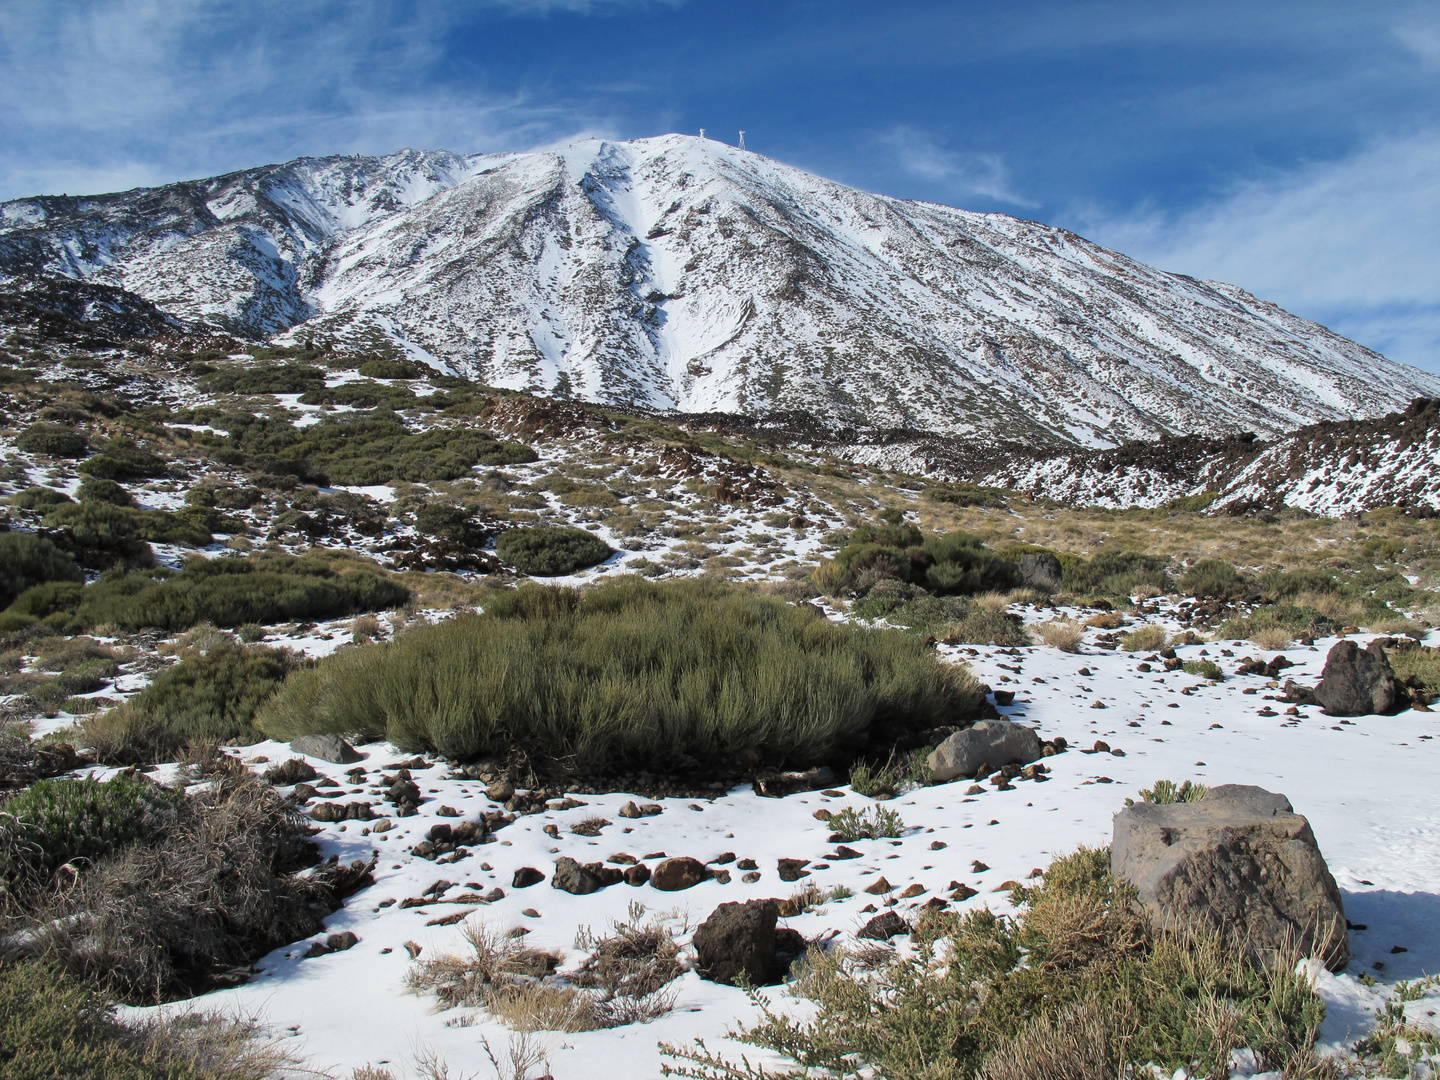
x=938, y=845
x=571, y=877
x=842, y=852
x=879, y=886
x=964, y=892
x=822, y=814
x=974, y=789
x=978, y=867
x=552, y=830
x=987, y=743
x=630, y=810
x=530, y=913
x=447, y=811
x=330, y=748
x=751, y=877
x=382, y=825
x=884, y=927
x=353, y=811
x=723, y=858
x=525, y=877
x=414, y=949
x=651, y=809
x=747, y=864
x=450, y=920
x=501, y=791
x=673, y=875
x=1004, y=697
x=722, y=876
x=912, y=890
x=793, y=869
x=789, y=783
x=1240, y=861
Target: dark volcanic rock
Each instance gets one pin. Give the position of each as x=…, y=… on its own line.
x=573, y=878
x=884, y=927
x=525, y=877
x=325, y=747
x=738, y=938
x=672, y=875
x=1357, y=682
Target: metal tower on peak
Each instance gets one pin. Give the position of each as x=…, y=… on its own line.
x=742, y=140
x=702, y=133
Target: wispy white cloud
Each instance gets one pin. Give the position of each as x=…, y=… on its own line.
x=958, y=173
x=107, y=94
x=1351, y=243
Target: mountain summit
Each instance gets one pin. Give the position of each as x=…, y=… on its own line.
x=682, y=273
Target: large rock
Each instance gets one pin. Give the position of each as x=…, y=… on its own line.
x=672, y=875
x=574, y=878
x=326, y=748
x=1039, y=570
x=991, y=743
x=1240, y=862
x=738, y=938
x=1357, y=682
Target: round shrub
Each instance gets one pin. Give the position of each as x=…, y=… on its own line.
x=53, y=440
x=633, y=673
x=122, y=459
x=1213, y=579
x=53, y=822
x=94, y=489
x=27, y=560
x=551, y=551
x=38, y=498
x=379, y=368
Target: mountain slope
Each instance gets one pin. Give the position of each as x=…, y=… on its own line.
x=680, y=273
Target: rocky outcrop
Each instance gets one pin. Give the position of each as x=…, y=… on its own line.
x=738, y=939
x=1239, y=862
x=991, y=743
x=1358, y=682
x=330, y=748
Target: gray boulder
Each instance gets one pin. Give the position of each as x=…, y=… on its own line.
x=1039, y=570
x=326, y=748
x=1357, y=682
x=736, y=939
x=1239, y=862
x=571, y=877
x=991, y=743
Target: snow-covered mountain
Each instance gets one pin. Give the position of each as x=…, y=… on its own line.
x=680, y=273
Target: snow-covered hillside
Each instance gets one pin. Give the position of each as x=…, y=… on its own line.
x=681, y=273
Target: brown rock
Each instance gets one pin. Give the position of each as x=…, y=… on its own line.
x=673, y=875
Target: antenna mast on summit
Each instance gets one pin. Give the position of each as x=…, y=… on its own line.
x=702, y=133
x=742, y=140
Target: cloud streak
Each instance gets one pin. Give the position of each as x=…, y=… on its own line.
x=958, y=174
x=1350, y=243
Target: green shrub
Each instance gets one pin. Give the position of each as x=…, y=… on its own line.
x=628, y=672
x=94, y=489
x=120, y=528
x=210, y=698
x=450, y=522
x=1114, y=573
x=551, y=551
x=1419, y=662
x=38, y=498
x=965, y=495
x=1205, y=668
x=361, y=395
x=122, y=459
x=1077, y=985
x=1144, y=639
x=877, y=823
x=53, y=822
x=901, y=605
x=380, y=368
x=53, y=440
x=53, y=1024
x=27, y=560
x=266, y=379
x=988, y=628
x=227, y=591
x=1213, y=579
x=1297, y=621
x=1167, y=791
x=962, y=564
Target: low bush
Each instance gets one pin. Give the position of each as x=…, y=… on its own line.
x=227, y=591
x=551, y=552
x=1144, y=639
x=1206, y=669
x=118, y=528
x=1294, y=620
x=629, y=672
x=94, y=489
x=965, y=495
x=1167, y=791
x=987, y=628
x=53, y=440
x=53, y=1024
x=960, y=563
x=1213, y=579
x=38, y=498
x=1114, y=573
x=1272, y=638
x=27, y=560
x=122, y=459
x=209, y=698
x=211, y=892
x=1420, y=663
x=1077, y=980
x=266, y=379
x=879, y=822
x=54, y=822
x=361, y=395
x=380, y=368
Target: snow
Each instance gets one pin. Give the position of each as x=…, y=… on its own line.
x=1366, y=786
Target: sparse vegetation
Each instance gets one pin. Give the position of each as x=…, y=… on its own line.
x=1063, y=634
x=1144, y=639
x=628, y=672
x=27, y=560
x=1167, y=791
x=1206, y=669
x=551, y=552
x=878, y=822
x=1077, y=980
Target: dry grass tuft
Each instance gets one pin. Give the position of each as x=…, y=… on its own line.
x=1083, y=1042
x=1273, y=638
x=1144, y=639
x=1063, y=634
x=993, y=602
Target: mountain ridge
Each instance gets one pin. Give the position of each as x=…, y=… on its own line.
x=685, y=274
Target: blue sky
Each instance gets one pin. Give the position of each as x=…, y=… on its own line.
x=1290, y=147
